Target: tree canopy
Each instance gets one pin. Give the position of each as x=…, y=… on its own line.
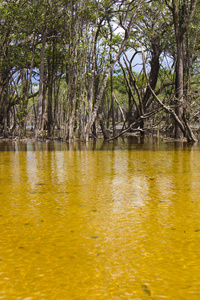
x=69, y=66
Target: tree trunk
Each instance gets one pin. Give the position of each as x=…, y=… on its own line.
x=50, y=99
x=182, y=13
x=153, y=78
x=41, y=82
x=99, y=96
x=44, y=104
x=179, y=85
x=5, y=113
x=112, y=104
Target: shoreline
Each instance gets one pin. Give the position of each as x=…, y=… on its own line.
x=32, y=140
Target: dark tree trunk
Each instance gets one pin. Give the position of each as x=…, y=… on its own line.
x=5, y=113
x=112, y=104
x=50, y=99
x=179, y=85
x=41, y=82
x=182, y=14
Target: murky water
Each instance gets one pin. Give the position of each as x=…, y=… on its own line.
x=118, y=222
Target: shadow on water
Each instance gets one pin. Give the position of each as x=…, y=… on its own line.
x=128, y=143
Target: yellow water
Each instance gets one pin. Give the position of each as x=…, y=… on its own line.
x=104, y=224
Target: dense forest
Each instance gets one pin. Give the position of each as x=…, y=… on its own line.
x=80, y=68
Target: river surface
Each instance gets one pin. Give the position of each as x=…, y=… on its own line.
x=116, y=220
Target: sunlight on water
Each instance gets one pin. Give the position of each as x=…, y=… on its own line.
x=103, y=224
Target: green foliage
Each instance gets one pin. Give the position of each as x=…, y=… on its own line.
x=82, y=37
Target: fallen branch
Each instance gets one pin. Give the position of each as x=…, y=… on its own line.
x=132, y=125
